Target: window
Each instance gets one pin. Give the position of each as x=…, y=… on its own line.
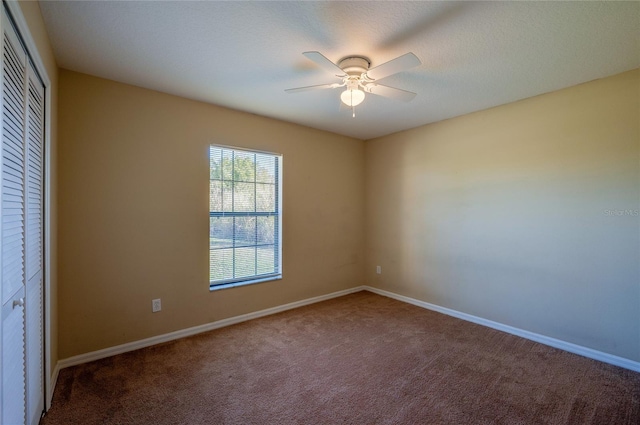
x=244, y=217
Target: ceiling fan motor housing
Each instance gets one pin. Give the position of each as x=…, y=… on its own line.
x=354, y=66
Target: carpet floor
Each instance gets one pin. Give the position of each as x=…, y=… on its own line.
x=357, y=359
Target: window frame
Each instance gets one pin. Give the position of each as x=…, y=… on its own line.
x=215, y=285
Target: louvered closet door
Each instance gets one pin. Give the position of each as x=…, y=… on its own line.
x=13, y=228
x=21, y=234
x=34, y=241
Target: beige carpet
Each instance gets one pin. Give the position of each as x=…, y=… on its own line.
x=358, y=359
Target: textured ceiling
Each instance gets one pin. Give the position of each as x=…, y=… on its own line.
x=243, y=55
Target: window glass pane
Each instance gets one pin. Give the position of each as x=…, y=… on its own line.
x=266, y=230
x=215, y=161
x=227, y=196
x=266, y=256
x=244, y=197
x=227, y=164
x=245, y=262
x=265, y=166
x=221, y=264
x=245, y=231
x=265, y=197
x=244, y=167
x=221, y=232
x=215, y=195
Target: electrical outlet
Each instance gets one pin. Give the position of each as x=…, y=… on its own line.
x=378, y=269
x=156, y=305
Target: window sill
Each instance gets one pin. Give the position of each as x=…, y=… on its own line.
x=243, y=283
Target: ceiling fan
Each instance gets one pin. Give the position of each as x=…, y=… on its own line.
x=359, y=79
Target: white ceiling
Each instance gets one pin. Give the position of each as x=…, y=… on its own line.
x=243, y=55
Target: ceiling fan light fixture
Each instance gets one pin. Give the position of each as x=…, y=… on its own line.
x=357, y=78
x=352, y=97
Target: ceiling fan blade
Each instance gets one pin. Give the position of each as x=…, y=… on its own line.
x=319, y=86
x=325, y=63
x=392, y=92
x=399, y=64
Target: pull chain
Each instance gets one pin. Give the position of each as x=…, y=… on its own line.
x=353, y=108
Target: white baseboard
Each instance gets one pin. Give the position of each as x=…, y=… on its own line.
x=136, y=345
x=52, y=386
x=552, y=342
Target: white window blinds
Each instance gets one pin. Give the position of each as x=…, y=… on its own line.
x=244, y=216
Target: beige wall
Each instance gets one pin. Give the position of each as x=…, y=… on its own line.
x=509, y=214
x=33, y=18
x=133, y=212
x=505, y=214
